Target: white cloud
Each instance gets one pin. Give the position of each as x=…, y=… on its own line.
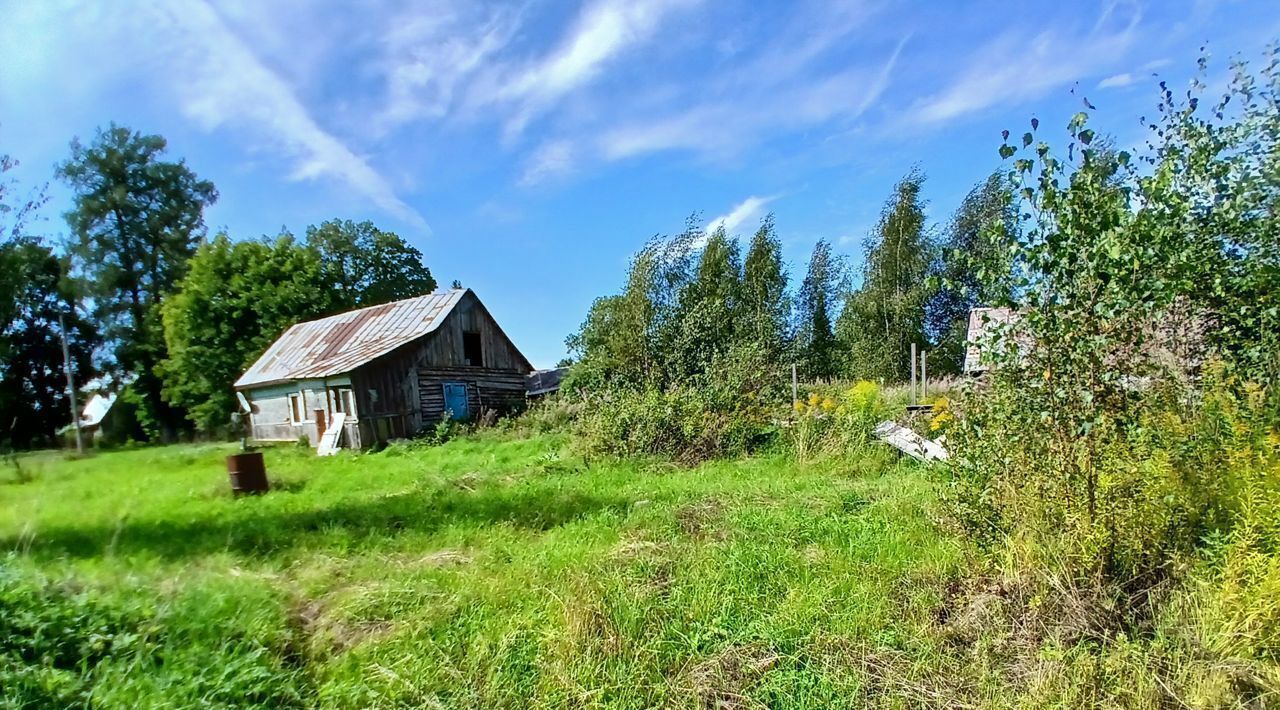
x=1011, y=69
x=430, y=58
x=741, y=212
x=1123, y=79
x=222, y=83
x=726, y=127
x=1116, y=81
x=604, y=30
x=552, y=159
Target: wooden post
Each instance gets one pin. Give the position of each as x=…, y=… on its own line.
x=924, y=376
x=71, y=384
x=913, y=374
x=795, y=386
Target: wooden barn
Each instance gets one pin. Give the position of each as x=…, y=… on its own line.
x=384, y=372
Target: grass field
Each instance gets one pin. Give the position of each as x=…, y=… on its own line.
x=487, y=572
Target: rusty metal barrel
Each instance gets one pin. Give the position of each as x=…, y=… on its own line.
x=248, y=473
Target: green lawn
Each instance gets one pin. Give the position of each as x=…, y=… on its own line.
x=485, y=572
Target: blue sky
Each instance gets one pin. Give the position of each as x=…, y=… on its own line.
x=529, y=148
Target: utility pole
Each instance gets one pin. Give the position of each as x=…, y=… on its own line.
x=71, y=384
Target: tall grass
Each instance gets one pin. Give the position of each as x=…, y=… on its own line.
x=487, y=572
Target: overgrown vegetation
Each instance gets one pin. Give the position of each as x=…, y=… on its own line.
x=1117, y=468
x=1122, y=460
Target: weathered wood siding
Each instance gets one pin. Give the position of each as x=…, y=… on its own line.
x=443, y=348
x=501, y=391
x=385, y=397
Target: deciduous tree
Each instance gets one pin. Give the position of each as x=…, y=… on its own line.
x=972, y=268
x=33, y=386
x=707, y=308
x=236, y=298
x=763, y=309
x=135, y=221
x=34, y=292
x=886, y=314
x=367, y=266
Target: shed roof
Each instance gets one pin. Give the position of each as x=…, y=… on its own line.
x=341, y=343
x=544, y=381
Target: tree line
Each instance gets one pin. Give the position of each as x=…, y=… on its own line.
x=149, y=302
x=693, y=305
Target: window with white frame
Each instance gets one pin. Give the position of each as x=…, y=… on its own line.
x=344, y=401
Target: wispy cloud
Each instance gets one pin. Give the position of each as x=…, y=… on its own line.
x=1129, y=78
x=1011, y=69
x=430, y=58
x=552, y=159
x=741, y=212
x=223, y=83
x=1116, y=81
x=604, y=30
x=721, y=128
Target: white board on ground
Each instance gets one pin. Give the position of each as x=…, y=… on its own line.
x=332, y=439
x=909, y=442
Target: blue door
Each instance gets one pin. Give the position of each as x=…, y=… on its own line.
x=455, y=400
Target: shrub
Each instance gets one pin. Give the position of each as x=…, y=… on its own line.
x=688, y=424
x=836, y=421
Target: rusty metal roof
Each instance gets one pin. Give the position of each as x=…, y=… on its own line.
x=339, y=344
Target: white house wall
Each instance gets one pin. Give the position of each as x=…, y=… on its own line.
x=271, y=416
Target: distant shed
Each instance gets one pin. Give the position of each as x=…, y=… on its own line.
x=544, y=382
x=983, y=322
x=390, y=370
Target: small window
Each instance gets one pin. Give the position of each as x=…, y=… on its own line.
x=472, y=353
x=344, y=401
x=297, y=413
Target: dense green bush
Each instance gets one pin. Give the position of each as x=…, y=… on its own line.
x=709, y=417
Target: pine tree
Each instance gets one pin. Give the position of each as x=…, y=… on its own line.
x=816, y=347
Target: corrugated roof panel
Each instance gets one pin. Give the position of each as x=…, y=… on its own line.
x=341, y=343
